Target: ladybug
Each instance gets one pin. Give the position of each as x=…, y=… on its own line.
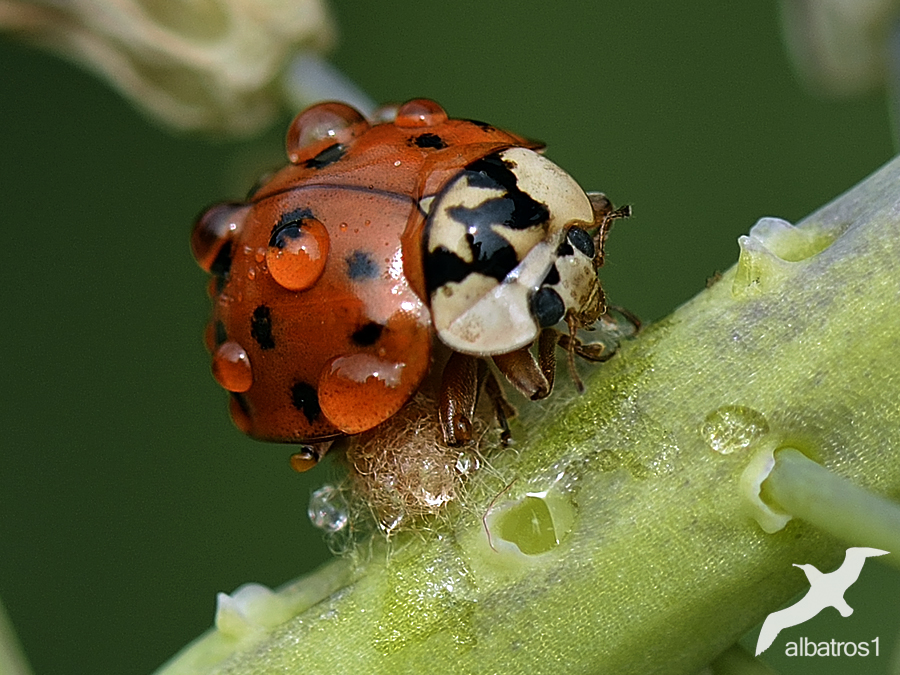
x=343, y=275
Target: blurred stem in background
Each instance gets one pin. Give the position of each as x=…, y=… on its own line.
x=846, y=47
x=222, y=66
x=229, y=66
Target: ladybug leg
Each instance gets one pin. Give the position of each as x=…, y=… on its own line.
x=571, y=346
x=589, y=351
x=592, y=351
x=309, y=456
x=460, y=383
x=630, y=317
x=547, y=342
x=503, y=409
x=521, y=369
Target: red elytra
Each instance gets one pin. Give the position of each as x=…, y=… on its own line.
x=320, y=274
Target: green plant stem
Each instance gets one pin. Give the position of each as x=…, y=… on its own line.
x=621, y=539
x=737, y=661
x=807, y=490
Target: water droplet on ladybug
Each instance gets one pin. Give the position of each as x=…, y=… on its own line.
x=214, y=229
x=347, y=380
x=321, y=125
x=420, y=112
x=231, y=367
x=297, y=254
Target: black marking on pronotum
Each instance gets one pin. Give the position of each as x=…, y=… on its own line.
x=329, y=155
x=360, y=266
x=442, y=267
x=547, y=307
x=261, y=327
x=367, y=335
x=492, y=255
x=565, y=249
x=432, y=141
x=582, y=241
x=306, y=400
x=515, y=209
x=288, y=227
x=552, y=277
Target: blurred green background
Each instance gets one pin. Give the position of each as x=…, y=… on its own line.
x=127, y=499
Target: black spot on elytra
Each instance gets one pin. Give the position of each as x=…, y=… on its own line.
x=547, y=307
x=581, y=240
x=221, y=266
x=329, y=155
x=482, y=125
x=288, y=227
x=432, y=141
x=306, y=400
x=552, y=277
x=241, y=400
x=220, y=335
x=361, y=266
x=368, y=335
x=221, y=282
x=261, y=327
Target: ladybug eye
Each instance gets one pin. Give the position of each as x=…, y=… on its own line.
x=547, y=307
x=582, y=241
x=420, y=112
x=212, y=235
x=333, y=123
x=297, y=251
